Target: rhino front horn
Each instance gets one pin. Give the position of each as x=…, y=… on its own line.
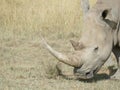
x=70, y=60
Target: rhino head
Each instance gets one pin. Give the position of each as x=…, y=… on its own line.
x=94, y=46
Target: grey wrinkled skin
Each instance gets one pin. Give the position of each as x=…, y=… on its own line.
x=101, y=29
x=100, y=37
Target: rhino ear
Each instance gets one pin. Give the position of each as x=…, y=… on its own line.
x=105, y=17
x=85, y=6
x=105, y=13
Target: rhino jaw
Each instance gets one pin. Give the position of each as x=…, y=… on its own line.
x=83, y=74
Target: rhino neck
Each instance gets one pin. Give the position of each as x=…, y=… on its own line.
x=119, y=37
x=116, y=17
x=116, y=35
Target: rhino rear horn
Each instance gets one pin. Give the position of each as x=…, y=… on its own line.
x=75, y=44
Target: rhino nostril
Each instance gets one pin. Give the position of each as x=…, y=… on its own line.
x=87, y=73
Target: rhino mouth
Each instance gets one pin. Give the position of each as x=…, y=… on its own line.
x=85, y=75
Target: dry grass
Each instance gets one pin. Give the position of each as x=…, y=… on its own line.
x=24, y=64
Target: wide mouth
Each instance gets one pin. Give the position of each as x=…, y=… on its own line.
x=85, y=75
x=88, y=75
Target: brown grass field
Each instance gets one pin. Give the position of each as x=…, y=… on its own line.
x=24, y=63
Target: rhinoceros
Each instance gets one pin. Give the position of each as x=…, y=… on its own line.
x=100, y=38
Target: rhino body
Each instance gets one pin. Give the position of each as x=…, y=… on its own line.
x=100, y=37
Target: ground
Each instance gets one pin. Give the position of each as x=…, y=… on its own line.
x=24, y=63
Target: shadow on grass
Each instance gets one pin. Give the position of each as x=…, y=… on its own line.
x=96, y=78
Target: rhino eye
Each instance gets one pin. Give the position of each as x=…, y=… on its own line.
x=87, y=73
x=96, y=49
